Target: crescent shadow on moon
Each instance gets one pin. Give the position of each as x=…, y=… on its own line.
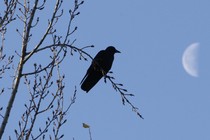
x=190, y=59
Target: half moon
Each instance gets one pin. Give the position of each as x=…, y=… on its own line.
x=190, y=59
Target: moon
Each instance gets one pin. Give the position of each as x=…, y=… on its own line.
x=190, y=59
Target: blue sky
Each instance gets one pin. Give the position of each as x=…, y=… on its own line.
x=152, y=36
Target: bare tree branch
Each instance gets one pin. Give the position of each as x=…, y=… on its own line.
x=40, y=88
x=118, y=88
x=19, y=71
x=8, y=14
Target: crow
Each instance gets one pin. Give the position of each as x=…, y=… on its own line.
x=99, y=67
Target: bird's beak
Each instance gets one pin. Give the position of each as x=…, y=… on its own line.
x=116, y=51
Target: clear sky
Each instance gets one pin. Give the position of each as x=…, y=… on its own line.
x=152, y=36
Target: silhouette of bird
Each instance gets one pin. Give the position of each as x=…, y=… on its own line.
x=99, y=67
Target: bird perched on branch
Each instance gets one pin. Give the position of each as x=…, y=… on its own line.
x=99, y=67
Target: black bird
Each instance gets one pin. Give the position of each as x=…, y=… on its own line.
x=99, y=67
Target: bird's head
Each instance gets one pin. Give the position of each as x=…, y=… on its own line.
x=112, y=49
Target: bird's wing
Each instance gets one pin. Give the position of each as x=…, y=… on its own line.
x=96, y=61
x=93, y=74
